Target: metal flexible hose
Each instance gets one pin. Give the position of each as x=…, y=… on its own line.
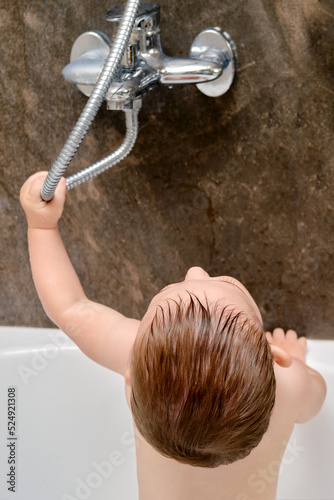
x=131, y=117
x=94, y=102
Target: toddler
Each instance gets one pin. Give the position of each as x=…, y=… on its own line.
x=213, y=397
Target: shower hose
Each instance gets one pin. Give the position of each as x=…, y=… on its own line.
x=89, y=112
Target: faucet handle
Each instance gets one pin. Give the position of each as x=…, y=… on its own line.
x=148, y=15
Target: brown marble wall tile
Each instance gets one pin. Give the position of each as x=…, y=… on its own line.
x=242, y=184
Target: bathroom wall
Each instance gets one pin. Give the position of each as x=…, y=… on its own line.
x=241, y=185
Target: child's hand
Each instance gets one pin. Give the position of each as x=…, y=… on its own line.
x=42, y=214
x=288, y=341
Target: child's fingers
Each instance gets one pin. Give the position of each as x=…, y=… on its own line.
x=36, y=185
x=32, y=202
x=278, y=335
x=291, y=335
x=302, y=341
x=36, y=177
x=60, y=193
x=33, y=183
x=29, y=194
x=281, y=356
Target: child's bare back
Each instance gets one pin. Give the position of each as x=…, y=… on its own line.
x=214, y=395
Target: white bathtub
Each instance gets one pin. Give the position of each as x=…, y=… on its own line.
x=73, y=437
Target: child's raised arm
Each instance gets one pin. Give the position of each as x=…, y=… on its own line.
x=103, y=334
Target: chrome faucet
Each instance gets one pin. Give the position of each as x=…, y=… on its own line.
x=122, y=72
x=211, y=63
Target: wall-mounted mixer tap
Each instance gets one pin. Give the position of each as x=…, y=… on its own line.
x=123, y=71
x=210, y=65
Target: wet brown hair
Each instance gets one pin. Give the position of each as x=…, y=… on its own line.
x=203, y=383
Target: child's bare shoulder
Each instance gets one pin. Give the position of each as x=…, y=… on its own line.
x=300, y=390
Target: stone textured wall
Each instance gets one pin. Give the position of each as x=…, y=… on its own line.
x=241, y=185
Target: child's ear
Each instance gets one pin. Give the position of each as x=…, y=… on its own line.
x=127, y=378
x=281, y=357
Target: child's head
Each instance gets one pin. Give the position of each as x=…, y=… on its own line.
x=202, y=375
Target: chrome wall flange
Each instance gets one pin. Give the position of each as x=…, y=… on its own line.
x=215, y=44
